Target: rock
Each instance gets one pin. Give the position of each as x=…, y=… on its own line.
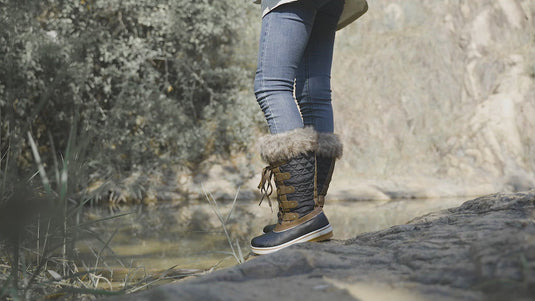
x=482, y=250
x=437, y=89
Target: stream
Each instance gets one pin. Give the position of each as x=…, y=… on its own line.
x=186, y=238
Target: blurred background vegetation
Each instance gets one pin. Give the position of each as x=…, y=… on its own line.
x=104, y=100
x=145, y=87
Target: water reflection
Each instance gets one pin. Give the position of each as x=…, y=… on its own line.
x=190, y=236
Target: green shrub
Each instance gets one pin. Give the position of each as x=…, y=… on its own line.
x=146, y=83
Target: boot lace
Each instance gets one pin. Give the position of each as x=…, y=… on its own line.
x=265, y=186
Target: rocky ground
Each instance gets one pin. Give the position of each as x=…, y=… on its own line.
x=482, y=250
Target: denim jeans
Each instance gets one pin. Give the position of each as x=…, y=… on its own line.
x=296, y=50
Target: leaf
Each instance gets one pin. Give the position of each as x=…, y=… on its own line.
x=55, y=275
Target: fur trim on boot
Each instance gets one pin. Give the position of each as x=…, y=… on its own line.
x=329, y=145
x=284, y=146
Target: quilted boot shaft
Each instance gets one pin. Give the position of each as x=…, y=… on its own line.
x=294, y=180
x=329, y=150
x=325, y=168
x=292, y=164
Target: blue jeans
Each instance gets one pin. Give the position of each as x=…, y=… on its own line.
x=296, y=47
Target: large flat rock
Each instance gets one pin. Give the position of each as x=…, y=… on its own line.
x=482, y=250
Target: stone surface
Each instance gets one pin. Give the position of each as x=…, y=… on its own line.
x=482, y=250
x=437, y=89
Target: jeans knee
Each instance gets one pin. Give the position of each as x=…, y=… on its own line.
x=257, y=86
x=267, y=87
x=314, y=89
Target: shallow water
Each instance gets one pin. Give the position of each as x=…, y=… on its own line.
x=189, y=235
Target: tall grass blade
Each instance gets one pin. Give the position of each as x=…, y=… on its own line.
x=6, y=156
x=213, y=204
x=89, y=223
x=119, y=261
x=38, y=247
x=33, y=176
x=96, y=292
x=233, y=205
x=63, y=178
x=5, y=170
x=215, y=208
x=242, y=260
x=104, y=247
x=40, y=166
x=55, y=160
x=45, y=242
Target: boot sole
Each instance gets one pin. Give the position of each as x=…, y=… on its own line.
x=314, y=236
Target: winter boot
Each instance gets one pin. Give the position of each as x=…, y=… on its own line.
x=292, y=164
x=328, y=151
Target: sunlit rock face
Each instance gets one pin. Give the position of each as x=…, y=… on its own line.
x=438, y=92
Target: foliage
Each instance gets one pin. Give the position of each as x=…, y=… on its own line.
x=91, y=89
x=147, y=83
x=39, y=227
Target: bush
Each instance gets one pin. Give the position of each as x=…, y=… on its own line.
x=142, y=83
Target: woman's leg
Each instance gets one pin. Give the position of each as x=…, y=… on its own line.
x=313, y=91
x=283, y=39
x=290, y=150
x=313, y=78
